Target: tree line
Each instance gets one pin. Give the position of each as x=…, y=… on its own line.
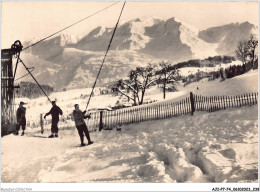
x=197, y=62
x=246, y=52
x=32, y=91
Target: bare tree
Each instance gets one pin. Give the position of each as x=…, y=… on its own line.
x=166, y=74
x=242, y=51
x=135, y=86
x=247, y=50
x=145, y=78
x=120, y=87
x=252, y=49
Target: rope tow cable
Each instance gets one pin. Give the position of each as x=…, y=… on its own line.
x=34, y=79
x=70, y=25
x=105, y=55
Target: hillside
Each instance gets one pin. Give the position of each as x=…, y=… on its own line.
x=73, y=62
x=246, y=83
x=218, y=147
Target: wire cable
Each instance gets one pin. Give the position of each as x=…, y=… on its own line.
x=34, y=79
x=70, y=25
x=29, y=68
x=105, y=55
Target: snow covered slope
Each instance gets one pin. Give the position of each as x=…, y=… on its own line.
x=200, y=49
x=246, y=83
x=206, y=147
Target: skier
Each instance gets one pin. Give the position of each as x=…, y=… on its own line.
x=81, y=125
x=54, y=112
x=21, y=120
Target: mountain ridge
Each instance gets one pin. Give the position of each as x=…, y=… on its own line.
x=136, y=43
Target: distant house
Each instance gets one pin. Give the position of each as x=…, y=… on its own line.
x=201, y=74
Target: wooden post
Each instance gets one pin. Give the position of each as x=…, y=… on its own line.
x=192, y=103
x=253, y=99
x=41, y=123
x=100, y=121
x=174, y=109
x=224, y=100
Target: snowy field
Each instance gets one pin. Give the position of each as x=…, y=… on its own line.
x=186, y=71
x=207, y=147
x=246, y=83
x=203, y=148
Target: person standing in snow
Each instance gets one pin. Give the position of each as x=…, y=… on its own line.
x=81, y=125
x=21, y=120
x=54, y=112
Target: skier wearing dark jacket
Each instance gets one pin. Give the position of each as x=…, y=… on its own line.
x=21, y=120
x=54, y=112
x=81, y=125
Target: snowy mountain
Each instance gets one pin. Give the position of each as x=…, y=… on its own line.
x=228, y=36
x=75, y=68
x=171, y=38
x=136, y=42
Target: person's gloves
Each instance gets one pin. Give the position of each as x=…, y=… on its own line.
x=87, y=116
x=44, y=116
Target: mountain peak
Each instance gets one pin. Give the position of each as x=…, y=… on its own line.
x=147, y=20
x=68, y=39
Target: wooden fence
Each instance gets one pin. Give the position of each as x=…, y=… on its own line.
x=112, y=119
x=215, y=103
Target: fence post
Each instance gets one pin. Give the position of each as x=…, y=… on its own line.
x=192, y=103
x=41, y=123
x=100, y=121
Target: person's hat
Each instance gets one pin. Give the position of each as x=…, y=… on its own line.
x=22, y=103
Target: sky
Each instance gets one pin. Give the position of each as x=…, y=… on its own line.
x=26, y=21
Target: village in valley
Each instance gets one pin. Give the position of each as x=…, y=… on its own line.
x=166, y=102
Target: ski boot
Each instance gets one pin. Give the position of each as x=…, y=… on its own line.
x=90, y=142
x=16, y=133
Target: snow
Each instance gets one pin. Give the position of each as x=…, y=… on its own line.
x=137, y=38
x=51, y=71
x=203, y=148
x=67, y=39
x=189, y=36
x=186, y=71
x=246, y=83
x=66, y=101
x=206, y=147
x=101, y=32
x=242, y=84
x=201, y=49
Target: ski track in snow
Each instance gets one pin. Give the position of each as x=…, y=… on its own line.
x=206, y=147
